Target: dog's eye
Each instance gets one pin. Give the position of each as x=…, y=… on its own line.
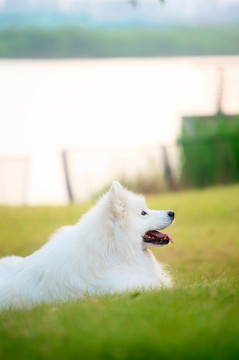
x=143, y=213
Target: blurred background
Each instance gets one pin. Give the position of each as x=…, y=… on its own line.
x=146, y=92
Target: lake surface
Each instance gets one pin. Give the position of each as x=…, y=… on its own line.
x=47, y=106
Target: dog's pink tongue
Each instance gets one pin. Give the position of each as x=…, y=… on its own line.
x=161, y=235
x=171, y=240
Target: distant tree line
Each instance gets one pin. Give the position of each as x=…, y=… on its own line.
x=78, y=42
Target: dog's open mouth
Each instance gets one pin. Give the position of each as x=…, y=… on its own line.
x=157, y=238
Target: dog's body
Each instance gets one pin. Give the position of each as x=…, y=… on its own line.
x=105, y=252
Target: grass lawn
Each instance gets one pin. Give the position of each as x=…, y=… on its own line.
x=197, y=319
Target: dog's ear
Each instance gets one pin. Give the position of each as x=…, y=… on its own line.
x=117, y=203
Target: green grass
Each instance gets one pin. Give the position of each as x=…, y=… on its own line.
x=197, y=319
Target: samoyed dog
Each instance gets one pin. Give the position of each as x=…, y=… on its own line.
x=105, y=252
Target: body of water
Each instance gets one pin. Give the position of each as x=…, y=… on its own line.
x=47, y=106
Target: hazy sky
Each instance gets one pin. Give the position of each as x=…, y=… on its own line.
x=65, y=4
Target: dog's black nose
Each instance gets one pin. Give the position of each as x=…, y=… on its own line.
x=171, y=214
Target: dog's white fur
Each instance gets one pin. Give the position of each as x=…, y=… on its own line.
x=103, y=253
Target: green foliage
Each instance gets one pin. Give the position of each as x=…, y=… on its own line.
x=77, y=42
x=210, y=150
x=197, y=319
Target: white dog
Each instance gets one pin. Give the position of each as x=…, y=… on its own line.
x=105, y=252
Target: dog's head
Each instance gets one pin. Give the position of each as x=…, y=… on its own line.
x=133, y=221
